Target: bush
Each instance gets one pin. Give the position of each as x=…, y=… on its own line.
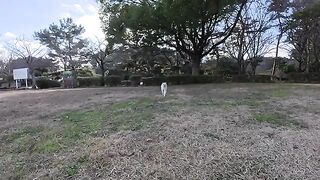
x=153, y=81
x=240, y=78
x=126, y=83
x=290, y=68
x=43, y=83
x=85, y=72
x=189, y=79
x=182, y=79
x=89, y=81
x=303, y=77
x=314, y=77
x=256, y=78
x=206, y=79
x=135, y=80
x=262, y=79
x=113, y=80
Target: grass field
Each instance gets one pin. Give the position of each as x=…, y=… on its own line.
x=216, y=131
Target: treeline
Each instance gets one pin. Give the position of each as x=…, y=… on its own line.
x=166, y=38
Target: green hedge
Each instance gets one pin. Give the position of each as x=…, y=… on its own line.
x=153, y=81
x=43, y=83
x=303, y=77
x=126, y=83
x=135, y=80
x=189, y=79
x=257, y=78
x=240, y=78
x=89, y=81
x=182, y=79
x=262, y=79
x=113, y=80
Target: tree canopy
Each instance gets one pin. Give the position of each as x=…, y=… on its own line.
x=64, y=41
x=192, y=27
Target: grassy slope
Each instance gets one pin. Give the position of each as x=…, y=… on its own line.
x=69, y=148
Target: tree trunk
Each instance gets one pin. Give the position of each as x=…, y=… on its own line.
x=275, y=61
x=308, y=58
x=196, y=60
x=277, y=51
x=103, y=71
x=241, y=66
x=34, y=83
x=253, y=69
x=300, y=67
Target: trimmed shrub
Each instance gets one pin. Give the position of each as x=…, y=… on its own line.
x=85, y=72
x=257, y=78
x=313, y=77
x=206, y=79
x=153, y=81
x=240, y=78
x=113, y=80
x=135, y=80
x=303, y=77
x=43, y=83
x=126, y=83
x=262, y=79
x=189, y=79
x=182, y=79
x=89, y=81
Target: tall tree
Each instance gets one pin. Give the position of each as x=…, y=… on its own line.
x=304, y=34
x=280, y=9
x=193, y=27
x=65, y=42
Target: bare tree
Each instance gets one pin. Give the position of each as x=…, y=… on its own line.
x=251, y=38
x=28, y=52
x=259, y=36
x=236, y=46
x=99, y=52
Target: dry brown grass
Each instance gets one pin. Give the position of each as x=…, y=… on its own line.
x=197, y=132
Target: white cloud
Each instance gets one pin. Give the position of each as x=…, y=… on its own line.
x=92, y=9
x=78, y=8
x=74, y=8
x=92, y=26
x=6, y=38
x=9, y=35
x=66, y=15
x=88, y=16
x=3, y=51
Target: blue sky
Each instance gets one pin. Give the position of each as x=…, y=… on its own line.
x=21, y=18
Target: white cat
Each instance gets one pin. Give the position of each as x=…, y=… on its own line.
x=164, y=88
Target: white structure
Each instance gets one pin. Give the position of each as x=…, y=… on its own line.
x=164, y=88
x=21, y=74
